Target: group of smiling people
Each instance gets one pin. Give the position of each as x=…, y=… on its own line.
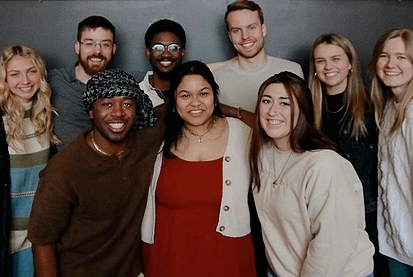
x=323, y=157
x=330, y=165
x=319, y=158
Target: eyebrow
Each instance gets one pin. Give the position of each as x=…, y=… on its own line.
x=397, y=53
x=105, y=40
x=281, y=97
x=322, y=58
x=16, y=70
x=249, y=25
x=166, y=44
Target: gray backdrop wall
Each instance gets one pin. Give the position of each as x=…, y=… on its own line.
x=50, y=26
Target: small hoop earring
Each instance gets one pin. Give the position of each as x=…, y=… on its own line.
x=315, y=74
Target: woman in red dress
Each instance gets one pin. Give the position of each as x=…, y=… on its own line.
x=197, y=219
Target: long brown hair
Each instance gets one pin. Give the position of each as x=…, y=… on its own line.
x=304, y=136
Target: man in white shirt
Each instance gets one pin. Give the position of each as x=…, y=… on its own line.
x=165, y=42
x=240, y=78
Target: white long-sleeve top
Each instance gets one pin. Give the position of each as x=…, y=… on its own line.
x=234, y=218
x=313, y=220
x=395, y=205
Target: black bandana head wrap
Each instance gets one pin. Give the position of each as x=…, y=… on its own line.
x=114, y=82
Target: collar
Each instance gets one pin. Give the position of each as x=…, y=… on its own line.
x=148, y=77
x=94, y=158
x=72, y=74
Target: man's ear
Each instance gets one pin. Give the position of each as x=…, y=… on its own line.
x=77, y=47
x=91, y=114
x=148, y=53
x=264, y=29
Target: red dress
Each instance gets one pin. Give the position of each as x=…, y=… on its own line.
x=188, y=197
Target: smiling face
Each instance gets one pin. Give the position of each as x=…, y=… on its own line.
x=394, y=67
x=275, y=115
x=163, y=63
x=112, y=119
x=23, y=78
x=195, y=101
x=246, y=32
x=95, y=58
x=332, y=67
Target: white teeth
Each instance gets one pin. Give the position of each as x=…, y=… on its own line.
x=331, y=74
x=391, y=73
x=196, y=111
x=247, y=44
x=274, y=121
x=165, y=63
x=116, y=125
x=25, y=88
x=95, y=59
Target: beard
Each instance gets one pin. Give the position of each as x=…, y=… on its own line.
x=164, y=75
x=93, y=69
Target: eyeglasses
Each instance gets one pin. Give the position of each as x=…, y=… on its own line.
x=172, y=48
x=92, y=44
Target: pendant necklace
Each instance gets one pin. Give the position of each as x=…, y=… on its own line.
x=275, y=183
x=98, y=148
x=337, y=110
x=201, y=135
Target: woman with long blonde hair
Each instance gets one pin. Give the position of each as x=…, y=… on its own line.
x=343, y=112
x=27, y=122
x=391, y=70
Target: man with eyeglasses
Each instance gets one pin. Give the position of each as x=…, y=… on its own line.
x=95, y=47
x=165, y=42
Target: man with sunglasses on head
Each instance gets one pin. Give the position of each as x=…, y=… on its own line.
x=165, y=42
x=95, y=47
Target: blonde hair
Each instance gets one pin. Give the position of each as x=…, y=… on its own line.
x=355, y=97
x=379, y=92
x=13, y=111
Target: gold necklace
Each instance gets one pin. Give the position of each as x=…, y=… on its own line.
x=97, y=147
x=100, y=150
x=275, y=183
x=201, y=135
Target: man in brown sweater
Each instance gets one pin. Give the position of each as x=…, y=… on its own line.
x=87, y=211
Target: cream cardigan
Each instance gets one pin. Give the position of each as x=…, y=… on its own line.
x=235, y=221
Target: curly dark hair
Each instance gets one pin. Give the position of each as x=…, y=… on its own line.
x=165, y=25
